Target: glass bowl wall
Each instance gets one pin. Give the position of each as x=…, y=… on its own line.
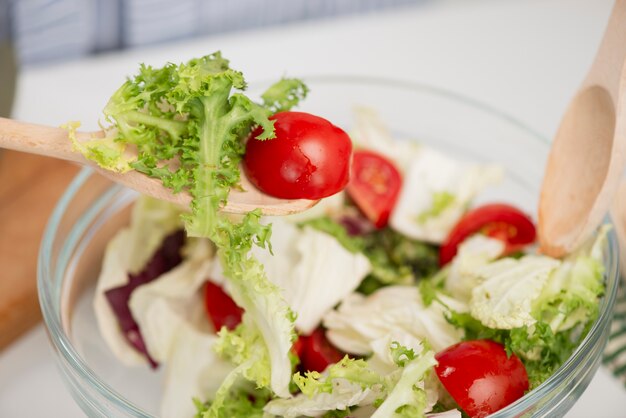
x=93, y=209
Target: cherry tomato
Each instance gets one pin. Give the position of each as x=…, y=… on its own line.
x=497, y=220
x=221, y=309
x=374, y=186
x=480, y=377
x=308, y=159
x=316, y=352
x=298, y=347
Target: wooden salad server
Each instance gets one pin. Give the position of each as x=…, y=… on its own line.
x=589, y=150
x=54, y=142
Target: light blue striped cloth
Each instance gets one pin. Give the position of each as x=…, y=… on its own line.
x=615, y=354
x=5, y=29
x=56, y=29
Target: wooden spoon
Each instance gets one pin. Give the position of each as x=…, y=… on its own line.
x=589, y=150
x=54, y=142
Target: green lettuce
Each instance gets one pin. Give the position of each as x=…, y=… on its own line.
x=571, y=294
x=541, y=350
x=352, y=370
x=504, y=299
x=395, y=259
x=557, y=318
x=342, y=386
x=407, y=396
x=244, y=402
x=186, y=125
x=352, y=383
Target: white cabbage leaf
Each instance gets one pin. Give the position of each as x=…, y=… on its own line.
x=151, y=221
x=409, y=394
x=504, y=299
x=353, y=385
x=192, y=370
x=128, y=252
x=572, y=292
x=395, y=310
x=436, y=191
x=170, y=314
x=312, y=269
x=171, y=299
x=473, y=253
x=345, y=394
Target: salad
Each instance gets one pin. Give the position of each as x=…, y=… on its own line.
x=394, y=296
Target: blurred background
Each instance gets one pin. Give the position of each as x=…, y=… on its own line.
x=34, y=32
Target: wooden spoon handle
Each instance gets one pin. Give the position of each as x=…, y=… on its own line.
x=37, y=139
x=54, y=142
x=607, y=66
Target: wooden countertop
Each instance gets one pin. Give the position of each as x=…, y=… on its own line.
x=30, y=186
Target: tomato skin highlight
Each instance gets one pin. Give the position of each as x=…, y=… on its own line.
x=308, y=159
x=316, y=352
x=220, y=308
x=496, y=220
x=480, y=377
x=374, y=186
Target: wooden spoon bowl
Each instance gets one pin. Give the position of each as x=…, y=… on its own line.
x=589, y=149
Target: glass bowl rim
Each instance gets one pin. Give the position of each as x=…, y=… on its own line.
x=61, y=341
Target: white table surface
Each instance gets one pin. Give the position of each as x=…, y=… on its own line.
x=525, y=58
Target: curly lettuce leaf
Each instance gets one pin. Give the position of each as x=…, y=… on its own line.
x=353, y=370
x=541, y=350
x=284, y=94
x=352, y=383
x=269, y=314
x=546, y=317
x=105, y=151
x=343, y=385
x=571, y=295
x=186, y=125
x=244, y=402
x=408, y=398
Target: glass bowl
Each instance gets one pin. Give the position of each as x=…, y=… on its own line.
x=93, y=209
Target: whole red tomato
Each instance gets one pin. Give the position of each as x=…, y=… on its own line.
x=308, y=159
x=480, y=376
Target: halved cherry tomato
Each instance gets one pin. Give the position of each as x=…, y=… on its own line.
x=374, y=186
x=497, y=220
x=316, y=352
x=221, y=309
x=308, y=159
x=480, y=377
